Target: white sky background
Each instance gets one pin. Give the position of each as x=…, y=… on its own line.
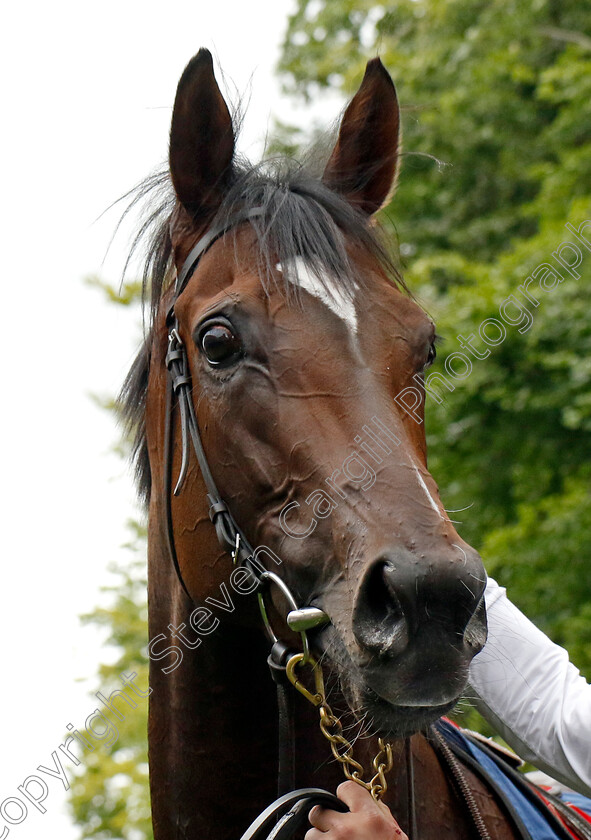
x=86, y=93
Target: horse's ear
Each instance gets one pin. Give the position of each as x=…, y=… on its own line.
x=201, y=138
x=364, y=162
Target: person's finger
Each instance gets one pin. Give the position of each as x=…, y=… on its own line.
x=384, y=808
x=356, y=797
x=367, y=817
x=322, y=818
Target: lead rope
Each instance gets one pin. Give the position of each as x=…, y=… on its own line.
x=332, y=729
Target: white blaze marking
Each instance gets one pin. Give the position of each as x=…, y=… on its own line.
x=326, y=290
x=432, y=501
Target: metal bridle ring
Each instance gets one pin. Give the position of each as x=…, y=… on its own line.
x=273, y=578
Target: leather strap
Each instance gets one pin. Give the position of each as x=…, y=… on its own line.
x=529, y=791
x=229, y=534
x=445, y=746
x=289, y=813
x=277, y=661
x=205, y=243
x=448, y=755
x=167, y=476
x=411, y=805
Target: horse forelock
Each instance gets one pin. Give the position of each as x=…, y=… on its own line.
x=302, y=223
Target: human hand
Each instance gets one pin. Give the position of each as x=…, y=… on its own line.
x=366, y=820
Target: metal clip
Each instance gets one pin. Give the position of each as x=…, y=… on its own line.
x=300, y=659
x=174, y=336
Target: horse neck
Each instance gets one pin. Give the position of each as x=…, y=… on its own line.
x=213, y=737
x=212, y=728
x=213, y=722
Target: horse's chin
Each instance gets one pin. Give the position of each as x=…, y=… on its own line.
x=391, y=720
x=391, y=701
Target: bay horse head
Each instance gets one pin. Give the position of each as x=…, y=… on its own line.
x=300, y=340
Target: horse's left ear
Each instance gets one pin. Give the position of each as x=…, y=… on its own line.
x=364, y=162
x=201, y=138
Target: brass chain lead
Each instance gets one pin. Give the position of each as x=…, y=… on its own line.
x=332, y=729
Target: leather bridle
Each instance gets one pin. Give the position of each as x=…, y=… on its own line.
x=229, y=534
x=289, y=812
x=292, y=807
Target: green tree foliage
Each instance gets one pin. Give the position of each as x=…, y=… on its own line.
x=109, y=797
x=482, y=84
x=496, y=100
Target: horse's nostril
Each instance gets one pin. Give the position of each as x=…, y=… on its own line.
x=379, y=622
x=402, y=606
x=476, y=630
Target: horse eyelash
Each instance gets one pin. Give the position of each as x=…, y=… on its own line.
x=437, y=339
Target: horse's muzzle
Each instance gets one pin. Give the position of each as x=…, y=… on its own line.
x=417, y=623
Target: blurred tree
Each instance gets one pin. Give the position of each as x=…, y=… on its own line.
x=481, y=81
x=497, y=130
x=109, y=797
x=513, y=440
x=496, y=100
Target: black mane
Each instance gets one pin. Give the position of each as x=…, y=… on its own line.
x=300, y=216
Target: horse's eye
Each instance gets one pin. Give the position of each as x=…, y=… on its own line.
x=220, y=345
x=431, y=356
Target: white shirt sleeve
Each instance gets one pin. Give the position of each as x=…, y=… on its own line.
x=534, y=697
